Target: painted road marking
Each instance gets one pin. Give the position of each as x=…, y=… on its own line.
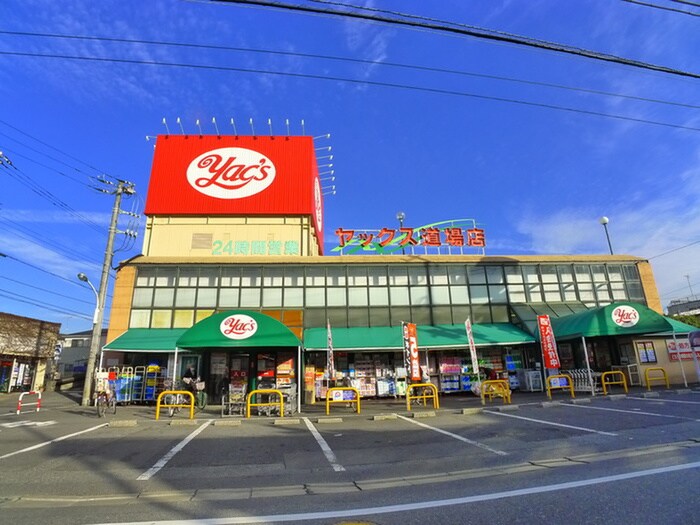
x=421, y=505
x=455, y=436
x=542, y=422
x=330, y=456
x=34, y=447
x=16, y=424
x=660, y=400
x=636, y=412
x=171, y=453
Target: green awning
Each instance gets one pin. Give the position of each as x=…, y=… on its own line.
x=237, y=329
x=146, y=340
x=612, y=320
x=677, y=328
x=390, y=338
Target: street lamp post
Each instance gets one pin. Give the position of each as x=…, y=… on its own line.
x=400, y=216
x=604, y=221
x=94, y=342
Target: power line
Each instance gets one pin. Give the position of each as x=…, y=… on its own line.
x=664, y=8
x=673, y=250
x=53, y=308
x=470, y=31
x=44, y=290
x=686, y=2
x=354, y=81
x=349, y=60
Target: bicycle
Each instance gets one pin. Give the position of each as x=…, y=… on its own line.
x=105, y=401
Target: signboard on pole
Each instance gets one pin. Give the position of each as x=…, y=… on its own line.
x=410, y=345
x=472, y=347
x=694, y=339
x=549, y=344
x=331, y=361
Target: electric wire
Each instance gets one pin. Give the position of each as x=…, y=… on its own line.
x=469, y=31
x=664, y=8
x=354, y=81
x=44, y=290
x=349, y=60
x=53, y=308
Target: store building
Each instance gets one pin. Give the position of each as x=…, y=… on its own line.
x=235, y=231
x=26, y=347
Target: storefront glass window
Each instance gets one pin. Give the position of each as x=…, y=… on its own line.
x=165, y=276
x=398, y=276
x=357, y=297
x=315, y=297
x=399, y=314
x=565, y=273
x=230, y=276
x=336, y=275
x=516, y=293
x=618, y=291
x=441, y=314
x=615, y=272
x=598, y=271
x=551, y=292
x=209, y=277
x=438, y=274
x=631, y=273
x=206, y=297
x=494, y=274
x=315, y=276
x=294, y=276
x=635, y=292
x=399, y=296
x=161, y=318
x=184, y=297
x=228, y=298
x=272, y=276
x=146, y=277
x=163, y=297
x=481, y=314
x=585, y=291
x=377, y=275
x=142, y=297
x=602, y=292
x=513, y=274
x=440, y=294
x=583, y=274
x=417, y=277
x=357, y=275
x=250, y=277
x=272, y=297
x=460, y=294
x=421, y=315
x=250, y=298
x=419, y=295
x=140, y=319
x=499, y=314
x=293, y=297
x=336, y=297
x=457, y=275
x=202, y=314
x=358, y=317
x=476, y=274
x=497, y=294
x=549, y=274
x=379, y=317
x=460, y=314
x=530, y=273
x=188, y=277
x=183, y=318
x=569, y=290
x=534, y=293
x=479, y=294
x=379, y=296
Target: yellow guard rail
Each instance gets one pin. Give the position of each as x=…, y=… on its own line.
x=174, y=393
x=424, y=396
x=569, y=385
x=495, y=388
x=605, y=382
x=329, y=400
x=650, y=379
x=248, y=404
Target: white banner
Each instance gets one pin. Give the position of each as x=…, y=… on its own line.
x=472, y=346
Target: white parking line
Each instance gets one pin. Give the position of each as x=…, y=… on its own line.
x=330, y=456
x=419, y=505
x=551, y=423
x=636, y=412
x=171, y=453
x=34, y=447
x=455, y=436
x=658, y=399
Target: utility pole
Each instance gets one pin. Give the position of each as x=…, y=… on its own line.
x=123, y=187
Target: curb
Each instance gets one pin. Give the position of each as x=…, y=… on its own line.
x=122, y=423
x=227, y=423
x=285, y=421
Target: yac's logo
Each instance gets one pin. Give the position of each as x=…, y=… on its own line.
x=238, y=326
x=231, y=173
x=625, y=316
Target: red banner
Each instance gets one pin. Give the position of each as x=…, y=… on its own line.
x=410, y=345
x=549, y=344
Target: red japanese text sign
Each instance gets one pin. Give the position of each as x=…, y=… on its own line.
x=410, y=345
x=549, y=344
x=229, y=175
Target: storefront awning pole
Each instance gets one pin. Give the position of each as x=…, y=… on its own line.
x=174, y=367
x=300, y=376
x=588, y=366
x=680, y=358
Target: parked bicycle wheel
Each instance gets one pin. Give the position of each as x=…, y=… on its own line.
x=112, y=405
x=172, y=399
x=201, y=400
x=101, y=405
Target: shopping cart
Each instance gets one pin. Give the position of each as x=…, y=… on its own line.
x=233, y=402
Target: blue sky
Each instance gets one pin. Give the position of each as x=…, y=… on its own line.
x=452, y=144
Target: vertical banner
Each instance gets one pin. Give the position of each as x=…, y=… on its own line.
x=331, y=361
x=410, y=346
x=549, y=345
x=472, y=347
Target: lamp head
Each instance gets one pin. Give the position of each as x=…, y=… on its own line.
x=400, y=216
x=603, y=220
x=83, y=277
